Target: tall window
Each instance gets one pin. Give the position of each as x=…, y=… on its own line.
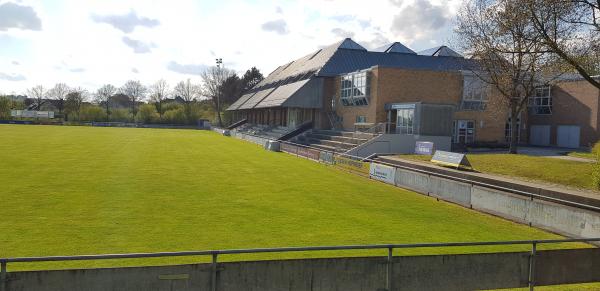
x=475, y=93
x=405, y=121
x=355, y=89
x=541, y=103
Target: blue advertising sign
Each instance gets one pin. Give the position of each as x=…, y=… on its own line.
x=424, y=148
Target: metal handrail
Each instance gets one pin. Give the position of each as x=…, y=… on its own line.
x=287, y=249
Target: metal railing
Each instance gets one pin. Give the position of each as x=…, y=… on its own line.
x=215, y=253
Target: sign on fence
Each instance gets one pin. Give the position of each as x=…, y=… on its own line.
x=308, y=153
x=352, y=165
x=288, y=148
x=326, y=157
x=450, y=159
x=382, y=173
x=424, y=148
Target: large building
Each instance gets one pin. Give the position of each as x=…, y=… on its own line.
x=346, y=87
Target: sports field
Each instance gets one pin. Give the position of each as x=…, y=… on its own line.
x=86, y=190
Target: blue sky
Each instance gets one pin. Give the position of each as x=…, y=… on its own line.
x=90, y=43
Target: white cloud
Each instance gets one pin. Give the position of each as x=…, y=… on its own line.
x=177, y=41
x=138, y=46
x=13, y=15
x=11, y=77
x=126, y=22
x=278, y=26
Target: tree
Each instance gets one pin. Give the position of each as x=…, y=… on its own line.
x=5, y=107
x=136, y=92
x=213, y=79
x=74, y=101
x=158, y=93
x=231, y=89
x=510, y=56
x=187, y=91
x=103, y=96
x=38, y=93
x=571, y=30
x=59, y=93
x=252, y=77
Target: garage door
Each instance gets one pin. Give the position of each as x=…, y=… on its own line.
x=568, y=136
x=540, y=135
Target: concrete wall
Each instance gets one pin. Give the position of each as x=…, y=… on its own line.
x=435, y=272
x=566, y=220
x=399, y=143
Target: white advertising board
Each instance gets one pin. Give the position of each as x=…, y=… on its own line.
x=382, y=173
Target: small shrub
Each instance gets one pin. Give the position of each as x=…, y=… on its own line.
x=147, y=114
x=596, y=169
x=92, y=113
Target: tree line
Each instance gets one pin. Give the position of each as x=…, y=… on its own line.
x=520, y=45
x=159, y=102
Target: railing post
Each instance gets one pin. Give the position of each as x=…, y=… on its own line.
x=532, y=266
x=3, y=279
x=213, y=281
x=390, y=266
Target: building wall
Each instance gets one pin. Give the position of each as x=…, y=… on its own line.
x=393, y=85
x=573, y=103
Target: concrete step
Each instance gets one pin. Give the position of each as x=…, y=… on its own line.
x=337, y=144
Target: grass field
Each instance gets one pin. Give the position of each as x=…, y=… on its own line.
x=84, y=190
x=557, y=171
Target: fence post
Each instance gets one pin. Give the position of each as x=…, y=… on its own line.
x=390, y=265
x=532, y=266
x=213, y=281
x=3, y=279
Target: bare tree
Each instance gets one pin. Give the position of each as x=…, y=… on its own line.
x=187, y=91
x=500, y=36
x=570, y=29
x=59, y=93
x=158, y=93
x=136, y=92
x=103, y=95
x=38, y=93
x=213, y=79
x=74, y=101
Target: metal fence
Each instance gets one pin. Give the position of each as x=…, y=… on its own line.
x=215, y=253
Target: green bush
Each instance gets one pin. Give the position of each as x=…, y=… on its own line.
x=147, y=114
x=596, y=170
x=5, y=106
x=92, y=113
x=174, y=116
x=120, y=115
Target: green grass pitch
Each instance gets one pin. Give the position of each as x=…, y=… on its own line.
x=85, y=190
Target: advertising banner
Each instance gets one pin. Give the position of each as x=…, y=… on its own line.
x=382, y=173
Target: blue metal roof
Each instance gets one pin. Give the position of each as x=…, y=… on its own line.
x=394, y=47
x=345, y=61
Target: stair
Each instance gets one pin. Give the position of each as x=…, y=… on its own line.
x=333, y=140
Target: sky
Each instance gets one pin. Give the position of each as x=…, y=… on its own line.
x=90, y=43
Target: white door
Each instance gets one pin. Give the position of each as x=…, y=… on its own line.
x=539, y=135
x=567, y=136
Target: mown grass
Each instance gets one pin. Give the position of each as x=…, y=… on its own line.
x=556, y=171
x=84, y=190
x=585, y=155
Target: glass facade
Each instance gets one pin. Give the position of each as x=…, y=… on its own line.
x=475, y=93
x=405, y=121
x=354, y=89
x=541, y=103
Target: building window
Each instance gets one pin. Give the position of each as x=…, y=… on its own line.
x=405, y=121
x=541, y=103
x=354, y=90
x=475, y=93
x=464, y=131
x=508, y=130
x=361, y=119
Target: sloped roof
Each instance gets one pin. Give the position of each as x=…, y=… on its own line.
x=240, y=101
x=256, y=98
x=345, y=61
x=394, y=47
x=281, y=94
x=440, y=51
x=310, y=63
